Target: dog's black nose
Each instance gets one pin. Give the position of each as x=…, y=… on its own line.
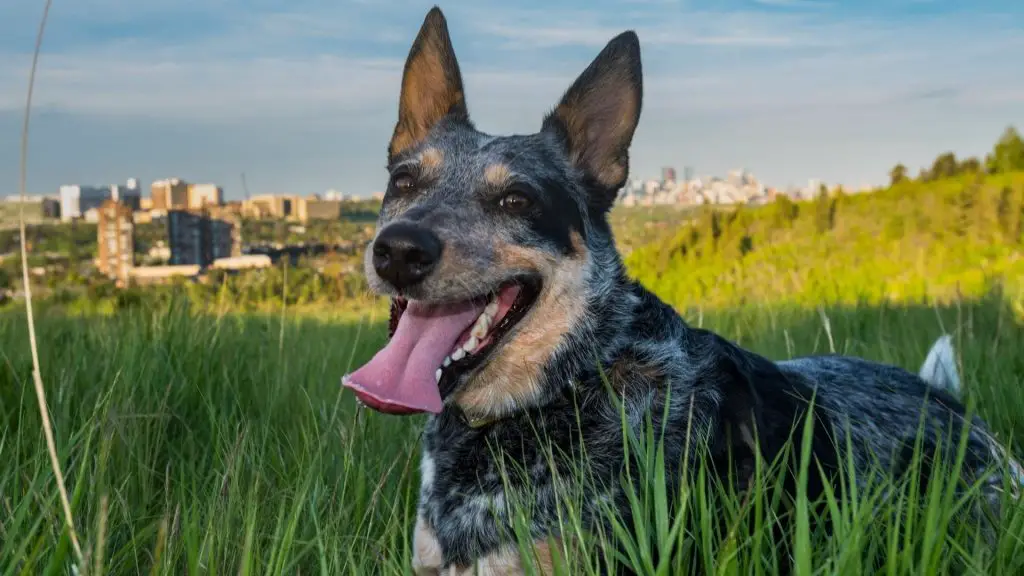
x=404, y=254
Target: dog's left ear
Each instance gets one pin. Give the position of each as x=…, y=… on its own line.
x=431, y=85
x=598, y=115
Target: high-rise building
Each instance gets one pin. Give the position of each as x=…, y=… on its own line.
x=668, y=175
x=51, y=207
x=203, y=195
x=169, y=194
x=76, y=200
x=196, y=238
x=158, y=196
x=116, y=241
x=129, y=193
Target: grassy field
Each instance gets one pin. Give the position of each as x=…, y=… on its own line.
x=197, y=444
x=915, y=241
x=202, y=428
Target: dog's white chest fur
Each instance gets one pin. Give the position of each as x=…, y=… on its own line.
x=427, y=558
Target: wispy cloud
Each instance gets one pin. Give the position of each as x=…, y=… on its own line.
x=545, y=37
x=722, y=87
x=530, y=29
x=795, y=3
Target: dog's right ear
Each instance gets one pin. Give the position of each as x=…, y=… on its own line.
x=431, y=85
x=598, y=115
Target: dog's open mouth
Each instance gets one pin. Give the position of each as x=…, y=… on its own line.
x=432, y=345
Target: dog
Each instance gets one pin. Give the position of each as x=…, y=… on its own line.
x=516, y=328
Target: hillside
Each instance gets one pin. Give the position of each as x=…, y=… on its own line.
x=921, y=241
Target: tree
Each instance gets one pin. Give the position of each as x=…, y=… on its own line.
x=970, y=166
x=785, y=212
x=897, y=174
x=945, y=166
x=1008, y=154
x=967, y=202
x=1010, y=212
x=984, y=218
x=824, y=212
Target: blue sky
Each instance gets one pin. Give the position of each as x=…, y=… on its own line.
x=301, y=95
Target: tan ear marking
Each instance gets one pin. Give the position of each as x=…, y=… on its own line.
x=431, y=85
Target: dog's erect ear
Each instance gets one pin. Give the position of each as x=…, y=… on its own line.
x=599, y=113
x=431, y=85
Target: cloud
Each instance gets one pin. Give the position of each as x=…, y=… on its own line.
x=252, y=67
x=597, y=37
x=530, y=29
x=215, y=90
x=795, y=3
x=308, y=91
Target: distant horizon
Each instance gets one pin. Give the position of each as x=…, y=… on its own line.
x=147, y=192
x=303, y=95
x=145, y=186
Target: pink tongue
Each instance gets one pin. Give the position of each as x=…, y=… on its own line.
x=400, y=379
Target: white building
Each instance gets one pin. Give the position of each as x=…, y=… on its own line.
x=201, y=195
x=75, y=199
x=333, y=195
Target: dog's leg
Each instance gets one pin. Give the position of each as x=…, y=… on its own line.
x=426, y=551
x=507, y=562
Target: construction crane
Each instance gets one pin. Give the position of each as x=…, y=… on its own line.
x=245, y=187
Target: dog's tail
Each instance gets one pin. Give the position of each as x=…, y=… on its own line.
x=939, y=368
x=940, y=372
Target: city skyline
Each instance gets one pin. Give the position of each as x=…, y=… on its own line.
x=98, y=193
x=302, y=99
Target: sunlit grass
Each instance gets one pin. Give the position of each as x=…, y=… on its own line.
x=201, y=444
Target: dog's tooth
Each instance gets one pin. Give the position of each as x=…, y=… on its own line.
x=479, y=329
x=492, y=308
x=437, y=375
x=471, y=344
x=458, y=355
x=447, y=361
x=480, y=320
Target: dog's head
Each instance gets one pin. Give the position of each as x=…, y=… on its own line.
x=491, y=247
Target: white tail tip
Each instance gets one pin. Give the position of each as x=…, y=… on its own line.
x=939, y=368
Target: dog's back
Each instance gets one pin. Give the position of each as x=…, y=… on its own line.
x=884, y=410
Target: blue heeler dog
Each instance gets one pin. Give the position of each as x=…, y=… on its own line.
x=514, y=325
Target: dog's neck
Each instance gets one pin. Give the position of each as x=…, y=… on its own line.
x=602, y=330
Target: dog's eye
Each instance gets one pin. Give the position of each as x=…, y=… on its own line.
x=515, y=202
x=402, y=182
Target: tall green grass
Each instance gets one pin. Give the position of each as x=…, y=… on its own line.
x=198, y=444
